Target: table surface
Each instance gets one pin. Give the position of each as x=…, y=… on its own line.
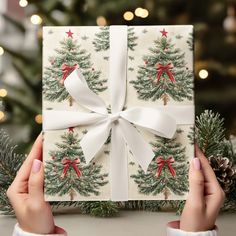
x=128, y=223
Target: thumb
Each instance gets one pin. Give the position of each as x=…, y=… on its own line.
x=36, y=180
x=196, y=183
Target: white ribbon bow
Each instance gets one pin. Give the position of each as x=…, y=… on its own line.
x=120, y=123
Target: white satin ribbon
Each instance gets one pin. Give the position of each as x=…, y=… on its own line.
x=161, y=121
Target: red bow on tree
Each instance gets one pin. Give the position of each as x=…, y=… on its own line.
x=161, y=162
x=67, y=163
x=66, y=69
x=161, y=69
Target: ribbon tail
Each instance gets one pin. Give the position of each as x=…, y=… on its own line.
x=159, y=75
x=159, y=170
x=172, y=171
x=64, y=76
x=170, y=76
x=77, y=171
x=93, y=140
x=140, y=149
x=118, y=166
x=65, y=170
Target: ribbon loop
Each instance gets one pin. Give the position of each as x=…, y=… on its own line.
x=81, y=93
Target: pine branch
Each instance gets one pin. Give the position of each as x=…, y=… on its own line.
x=99, y=208
x=209, y=133
x=10, y=163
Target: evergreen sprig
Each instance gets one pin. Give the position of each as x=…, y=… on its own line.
x=10, y=163
x=99, y=208
x=209, y=133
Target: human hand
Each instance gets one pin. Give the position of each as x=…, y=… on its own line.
x=204, y=199
x=26, y=194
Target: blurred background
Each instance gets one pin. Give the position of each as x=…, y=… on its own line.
x=21, y=24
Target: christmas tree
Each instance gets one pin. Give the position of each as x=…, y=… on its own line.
x=166, y=171
x=68, y=57
x=101, y=41
x=164, y=73
x=67, y=172
x=190, y=42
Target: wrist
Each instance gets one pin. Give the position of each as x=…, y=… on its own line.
x=37, y=230
x=196, y=225
x=173, y=229
x=18, y=231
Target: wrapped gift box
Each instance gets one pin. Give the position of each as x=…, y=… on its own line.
x=118, y=112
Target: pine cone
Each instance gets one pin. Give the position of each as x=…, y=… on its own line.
x=224, y=171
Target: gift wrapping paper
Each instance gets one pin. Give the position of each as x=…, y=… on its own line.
x=159, y=75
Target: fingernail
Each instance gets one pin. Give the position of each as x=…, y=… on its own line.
x=196, y=163
x=36, y=166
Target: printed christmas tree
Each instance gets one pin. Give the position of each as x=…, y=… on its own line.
x=190, y=42
x=68, y=174
x=168, y=171
x=101, y=40
x=69, y=56
x=164, y=74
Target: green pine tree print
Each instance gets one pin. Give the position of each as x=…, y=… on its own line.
x=168, y=180
x=69, y=56
x=101, y=40
x=164, y=74
x=68, y=174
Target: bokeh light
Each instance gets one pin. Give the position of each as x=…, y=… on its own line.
x=2, y=115
x=1, y=51
x=144, y=13
x=101, y=21
x=23, y=3
x=128, y=15
x=36, y=19
x=38, y=119
x=3, y=93
x=138, y=11
x=203, y=74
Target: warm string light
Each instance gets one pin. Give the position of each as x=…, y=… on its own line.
x=38, y=119
x=23, y=3
x=203, y=74
x=36, y=19
x=3, y=93
x=230, y=20
x=128, y=15
x=101, y=21
x=1, y=51
x=2, y=115
x=139, y=12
